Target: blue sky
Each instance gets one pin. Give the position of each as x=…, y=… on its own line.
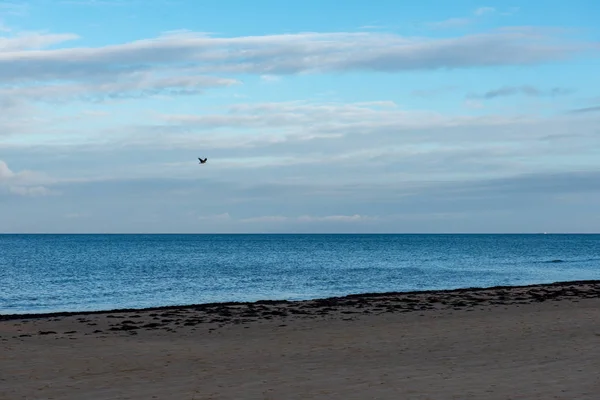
x=385, y=116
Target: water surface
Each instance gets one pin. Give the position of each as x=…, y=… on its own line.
x=47, y=273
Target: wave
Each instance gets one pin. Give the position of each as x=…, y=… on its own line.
x=558, y=260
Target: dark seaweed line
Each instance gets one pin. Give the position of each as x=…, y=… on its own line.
x=323, y=301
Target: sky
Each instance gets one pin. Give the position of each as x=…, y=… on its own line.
x=315, y=116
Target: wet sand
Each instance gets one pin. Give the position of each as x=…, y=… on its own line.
x=534, y=342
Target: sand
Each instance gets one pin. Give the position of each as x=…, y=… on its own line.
x=537, y=342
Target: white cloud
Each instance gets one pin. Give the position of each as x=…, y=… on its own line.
x=278, y=164
x=23, y=183
x=482, y=204
x=373, y=27
x=33, y=191
x=270, y=78
x=297, y=121
x=30, y=41
x=299, y=142
x=336, y=218
x=216, y=217
x=450, y=23
x=463, y=21
x=188, y=63
x=5, y=172
x=265, y=218
x=277, y=54
x=141, y=84
x=308, y=218
x=484, y=10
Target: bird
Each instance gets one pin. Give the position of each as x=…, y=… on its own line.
x=201, y=160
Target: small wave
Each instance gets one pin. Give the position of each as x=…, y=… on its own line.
x=558, y=260
x=554, y=261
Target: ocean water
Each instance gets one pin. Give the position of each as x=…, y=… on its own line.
x=49, y=273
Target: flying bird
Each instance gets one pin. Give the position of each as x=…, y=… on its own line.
x=202, y=161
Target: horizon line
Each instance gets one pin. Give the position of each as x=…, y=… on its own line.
x=299, y=233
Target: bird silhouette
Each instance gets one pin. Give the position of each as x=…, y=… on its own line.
x=202, y=161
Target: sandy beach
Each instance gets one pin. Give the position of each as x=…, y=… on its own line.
x=534, y=342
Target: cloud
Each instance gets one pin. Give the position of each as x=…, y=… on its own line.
x=265, y=218
x=316, y=140
x=336, y=218
x=34, y=191
x=309, y=218
x=473, y=105
x=484, y=10
x=313, y=141
x=461, y=22
x=13, y=8
x=511, y=11
x=519, y=202
x=30, y=41
x=5, y=172
x=42, y=67
x=307, y=121
x=270, y=78
x=279, y=166
x=526, y=90
x=215, y=217
x=134, y=85
x=23, y=183
x=433, y=92
x=374, y=27
x=536, y=183
x=586, y=110
x=450, y=23
x=280, y=54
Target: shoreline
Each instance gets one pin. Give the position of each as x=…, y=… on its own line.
x=536, y=341
x=326, y=301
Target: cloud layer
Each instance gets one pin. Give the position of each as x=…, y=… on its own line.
x=23, y=57
x=24, y=183
x=105, y=139
x=526, y=90
x=186, y=62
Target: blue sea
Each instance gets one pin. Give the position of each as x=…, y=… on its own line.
x=50, y=273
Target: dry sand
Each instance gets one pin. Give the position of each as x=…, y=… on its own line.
x=537, y=342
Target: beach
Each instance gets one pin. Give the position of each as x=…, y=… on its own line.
x=530, y=342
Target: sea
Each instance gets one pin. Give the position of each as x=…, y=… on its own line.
x=56, y=273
